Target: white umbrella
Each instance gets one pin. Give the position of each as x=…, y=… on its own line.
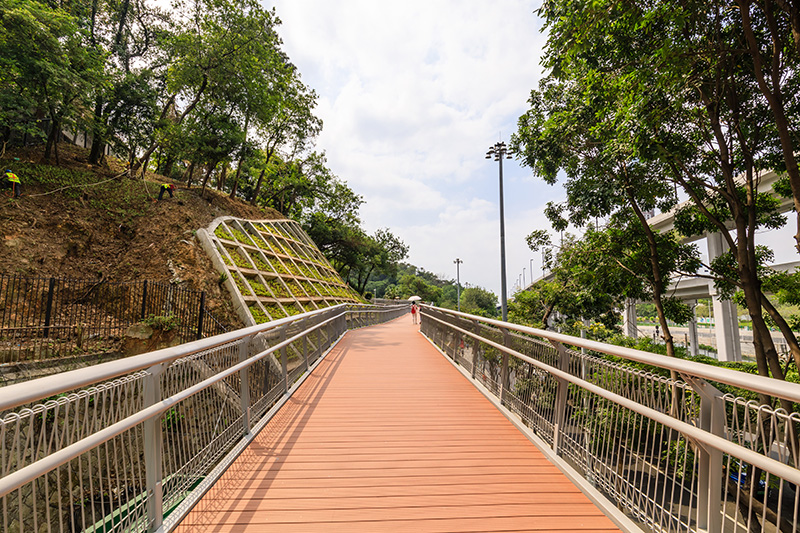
x=414, y=298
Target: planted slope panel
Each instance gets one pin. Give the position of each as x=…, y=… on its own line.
x=273, y=268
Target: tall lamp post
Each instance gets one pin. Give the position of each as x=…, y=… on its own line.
x=523, y=277
x=500, y=152
x=458, y=282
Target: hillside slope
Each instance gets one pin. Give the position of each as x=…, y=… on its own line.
x=77, y=221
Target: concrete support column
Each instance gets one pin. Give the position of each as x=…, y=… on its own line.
x=726, y=316
x=694, y=344
x=629, y=319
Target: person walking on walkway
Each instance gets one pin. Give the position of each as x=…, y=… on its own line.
x=168, y=187
x=414, y=313
x=12, y=182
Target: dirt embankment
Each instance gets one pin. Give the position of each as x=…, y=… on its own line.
x=111, y=229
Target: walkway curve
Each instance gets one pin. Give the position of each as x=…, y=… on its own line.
x=385, y=435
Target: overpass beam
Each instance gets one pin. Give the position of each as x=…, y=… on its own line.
x=726, y=316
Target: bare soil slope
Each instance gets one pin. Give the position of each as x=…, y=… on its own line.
x=78, y=221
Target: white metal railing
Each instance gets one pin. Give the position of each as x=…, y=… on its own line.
x=674, y=444
x=130, y=445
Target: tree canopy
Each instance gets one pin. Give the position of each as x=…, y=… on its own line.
x=645, y=100
x=200, y=91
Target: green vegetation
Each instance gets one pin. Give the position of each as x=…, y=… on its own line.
x=228, y=109
x=163, y=323
x=644, y=104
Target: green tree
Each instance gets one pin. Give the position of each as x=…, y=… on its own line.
x=580, y=286
x=604, y=178
x=129, y=34
x=47, y=62
x=669, y=87
x=288, y=123
x=211, y=43
x=479, y=301
x=412, y=285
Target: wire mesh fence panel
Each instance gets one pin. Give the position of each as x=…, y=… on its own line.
x=199, y=431
x=82, y=491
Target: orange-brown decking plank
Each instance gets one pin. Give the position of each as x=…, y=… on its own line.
x=385, y=435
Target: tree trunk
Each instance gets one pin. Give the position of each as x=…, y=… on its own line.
x=97, y=137
x=222, y=177
x=51, y=137
x=766, y=354
x=211, y=167
x=191, y=175
x=145, y=164
x=774, y=97
x=786, y=330
x=170, y=162
x=235, y=185
x=658, y=296
x=258, y=186
x=546, y=316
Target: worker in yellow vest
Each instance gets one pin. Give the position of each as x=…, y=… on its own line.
x=12, y=182
x=168, y=187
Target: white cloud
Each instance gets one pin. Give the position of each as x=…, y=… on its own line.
x=412, y=94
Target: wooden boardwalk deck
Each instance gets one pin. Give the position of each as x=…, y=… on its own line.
x=386, y=435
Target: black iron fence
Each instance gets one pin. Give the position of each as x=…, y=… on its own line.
x=44, y=318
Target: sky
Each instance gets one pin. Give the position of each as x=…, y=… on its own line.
x=412, y=94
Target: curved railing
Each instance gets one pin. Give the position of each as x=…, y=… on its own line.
x=130, y=445
x=676, y=445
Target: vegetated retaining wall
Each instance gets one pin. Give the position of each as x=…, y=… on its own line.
x=272, y=268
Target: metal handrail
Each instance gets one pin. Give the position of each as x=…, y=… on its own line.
x=717, y=458
x=228, y=383
x=700, y=436
x=761, y=384
x=27, y=474
x=30, y=391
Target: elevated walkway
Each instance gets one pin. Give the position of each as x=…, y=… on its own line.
x=386, y=435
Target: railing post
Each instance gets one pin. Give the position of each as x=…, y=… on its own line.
x=504, y=368
x=49, y=309
x=710, y=460
x=458, y=343
x=144, y=299
x=153, y=450
x=560, y=407
x=284, y=361
x=329, y=339
x=304, y=326
x=475, y=344
x=244, y=376
x=202, y=312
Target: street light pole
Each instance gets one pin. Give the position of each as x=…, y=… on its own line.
x=458, y=282
x=523, y=277
x=531, y=264
x=500, y=152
